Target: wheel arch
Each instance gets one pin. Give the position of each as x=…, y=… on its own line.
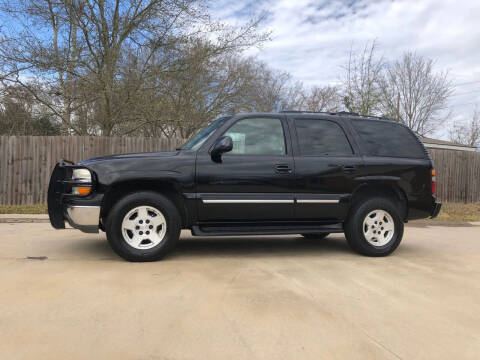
x=120, y=189
x=382, y=189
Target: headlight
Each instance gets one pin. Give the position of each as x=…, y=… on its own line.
x=82, y=175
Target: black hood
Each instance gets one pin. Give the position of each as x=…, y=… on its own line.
x=128, y=156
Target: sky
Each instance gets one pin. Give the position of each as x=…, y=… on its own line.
x=312, y=39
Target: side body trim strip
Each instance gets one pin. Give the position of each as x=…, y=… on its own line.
x=260, y=201
x=246, y=201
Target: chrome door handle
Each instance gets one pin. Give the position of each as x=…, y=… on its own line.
x=282, y=169
x=349, y=168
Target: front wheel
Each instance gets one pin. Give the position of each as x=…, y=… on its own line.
x=143, y=226
x=374, y=227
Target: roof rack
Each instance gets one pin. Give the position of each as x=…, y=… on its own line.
x=376, y=117
x=322, y=112
x=307, y=112
x=336, y=113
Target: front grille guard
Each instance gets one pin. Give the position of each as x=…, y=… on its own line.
x=67, y=181
x=60, y=187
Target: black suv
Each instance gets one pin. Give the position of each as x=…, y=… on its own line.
x=288, y=173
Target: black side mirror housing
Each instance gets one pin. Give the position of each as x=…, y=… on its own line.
x=223, y=145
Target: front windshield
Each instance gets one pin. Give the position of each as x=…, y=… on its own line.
x=196, y=141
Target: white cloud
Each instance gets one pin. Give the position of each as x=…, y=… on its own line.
x=311, y=39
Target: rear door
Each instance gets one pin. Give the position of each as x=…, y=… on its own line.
x=326, y=165
x=252, y=182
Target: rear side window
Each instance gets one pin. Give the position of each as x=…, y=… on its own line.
x=388, y=139
x=321, y=138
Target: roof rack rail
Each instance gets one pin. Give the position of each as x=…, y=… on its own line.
x=376, y=117
x=346, y=113
x=322, y=112
x=336, y=113
x=308, y=112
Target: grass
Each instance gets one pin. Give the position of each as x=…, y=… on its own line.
x=450, y=211
x=459, y=212
x=23, y=209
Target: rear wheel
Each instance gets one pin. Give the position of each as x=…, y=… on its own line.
x=318, y=236
x=374, y=227
x=143, y=226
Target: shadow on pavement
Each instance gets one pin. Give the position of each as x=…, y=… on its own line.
x=259, y=246
x=265, y=246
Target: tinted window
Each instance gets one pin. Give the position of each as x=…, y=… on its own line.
x=382, y=138
x=257, y=136
x=321, y=137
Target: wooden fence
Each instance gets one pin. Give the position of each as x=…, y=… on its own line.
x=27, y=161
x=458, y=175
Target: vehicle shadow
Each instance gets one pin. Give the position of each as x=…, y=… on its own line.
x=263, y=246
x=230, y=246
x=238, y=246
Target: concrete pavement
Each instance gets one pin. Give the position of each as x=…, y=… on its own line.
x=281, y=297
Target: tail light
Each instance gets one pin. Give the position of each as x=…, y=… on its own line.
x=434, y=182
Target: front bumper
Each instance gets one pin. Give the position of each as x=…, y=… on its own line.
x=84, y=218
x=81, y=212
x=436, y=210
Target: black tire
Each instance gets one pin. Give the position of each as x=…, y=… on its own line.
x=318, y=236
x=121, y=209
x=354, y=231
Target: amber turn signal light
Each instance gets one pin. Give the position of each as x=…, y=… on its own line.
x=81, y=190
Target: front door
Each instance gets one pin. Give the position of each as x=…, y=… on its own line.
x=254, y=181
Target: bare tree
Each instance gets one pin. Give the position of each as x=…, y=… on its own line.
x=262, y=88
x=467, y=133
x=316, y=98
x=413, y=94
x=19, y=115
x=361, y=78
x=207, y=87
x=69, y=54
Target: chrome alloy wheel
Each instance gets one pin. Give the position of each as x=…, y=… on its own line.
x=144, y=227
x=378, y=227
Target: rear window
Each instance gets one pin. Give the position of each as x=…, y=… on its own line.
x=381, y=138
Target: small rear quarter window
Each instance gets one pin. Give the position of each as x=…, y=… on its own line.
x=382, y=138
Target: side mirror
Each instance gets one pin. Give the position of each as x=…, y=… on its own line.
x=223, y=145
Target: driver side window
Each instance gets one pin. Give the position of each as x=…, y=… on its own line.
x=257, y=136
